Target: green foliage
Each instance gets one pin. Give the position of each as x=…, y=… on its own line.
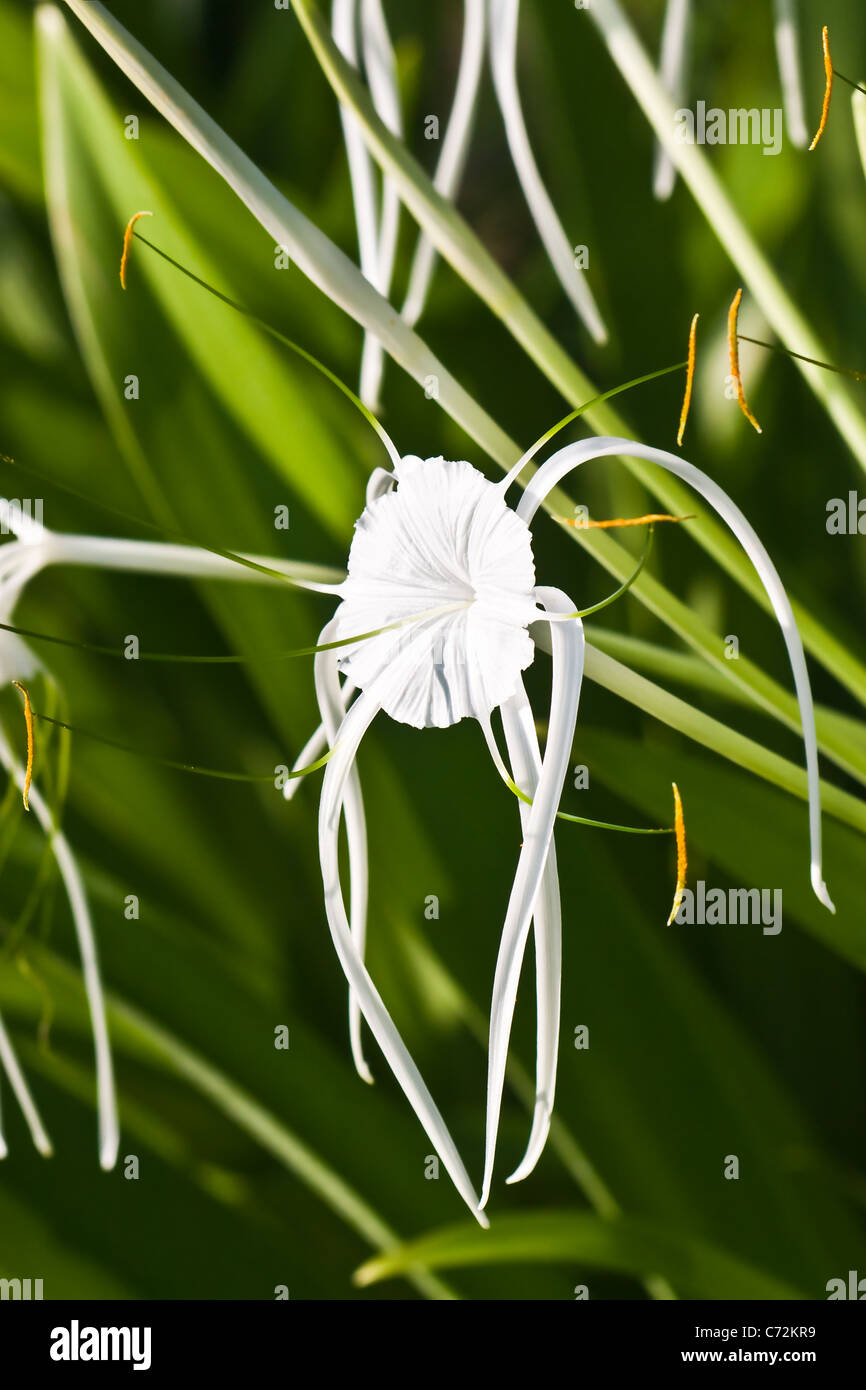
x=262, y=1167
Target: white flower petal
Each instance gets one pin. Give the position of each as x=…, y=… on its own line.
x=354, y=726
x=455, y=147
x=381, y=68
x=14, y=519
x=568, y=648
x=9, y=1063
x=17, y=661
x=190, y=561
x=362, y=177
x=314, y=746
x=444, y=536
x=109, y=1137
x=503, y=60
x=673, y=71
x=343, y=22
x=522, y=740
x=333, y=711
x=573, y=455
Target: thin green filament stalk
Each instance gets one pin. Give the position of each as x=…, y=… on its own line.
x=851, y=83
x=607, y=825
x=533, y=449
x=180, y=766
x=623, y=588
x=287, y=342
x=183, y=658
x=813, y=361
x=583, y=820
x=163, y=531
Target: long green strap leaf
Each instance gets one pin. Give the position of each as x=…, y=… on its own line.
x=341, y=280
x=713, y=734
x=709, y=193
x=626, y=1245
x=459, y=245
x=138, y=1032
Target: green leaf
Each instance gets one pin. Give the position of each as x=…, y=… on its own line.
x=459, y=245
x=624, y=1244
x=272, y=407
x=754, y=834
x=19, y=146
x=137, y=1036
x=327, y=267
x=698, y=174
x=712, y=733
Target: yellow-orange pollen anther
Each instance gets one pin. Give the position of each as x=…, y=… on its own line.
x=648, y=520
x=28, y=720
x=734, y=355
x=828, y=86
x=127, y=242
x=682, y=859
x=690, y=377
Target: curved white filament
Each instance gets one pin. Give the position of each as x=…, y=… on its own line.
x=9, y=1063
x=673, y=71
x=455, y=147
x=315, y=745
x=363, y=181
x=567, y=644
x=343, y=22
x=189, y=561
x=352, y=730
x=522, y=741
x=573, y=455
x=332, y=708
x=504, y=16
x=381, y=68
x=109, y=1136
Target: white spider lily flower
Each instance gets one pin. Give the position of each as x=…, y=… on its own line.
x=21, y=559
x=443, y=536
x=35, y=548
x=503, y=26
x=441, y=577
x=441, y=574
x=675, y=63
x=436, y=623
x=445, y=567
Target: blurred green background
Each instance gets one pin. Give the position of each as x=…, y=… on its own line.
x=260, y=1167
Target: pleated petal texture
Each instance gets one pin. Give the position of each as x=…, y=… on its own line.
x=444, y=536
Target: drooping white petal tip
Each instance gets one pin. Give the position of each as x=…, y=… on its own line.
x=820, y=889
x=361, y=1066
x=108, y=1153
x=541, y=1121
